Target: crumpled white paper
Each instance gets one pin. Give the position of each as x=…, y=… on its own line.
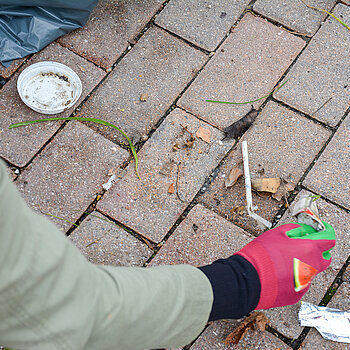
x=333, y=324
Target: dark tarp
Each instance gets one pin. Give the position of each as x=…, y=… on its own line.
x=28, y=26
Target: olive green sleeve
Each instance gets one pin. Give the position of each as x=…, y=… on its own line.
x=51, y=297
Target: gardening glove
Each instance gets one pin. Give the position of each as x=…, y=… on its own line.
x=286, y=259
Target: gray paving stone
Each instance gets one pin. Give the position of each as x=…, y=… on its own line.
x=202, y=238
x=247, y=66
x=112, y=25
x=66, y=177
x=113, y=245
x=322, y=72
x=7, y=72
x=203, y=23
x=160, y=66
x=330, y=176
x=340, y=220
x=214, y=336
x=339, y=301
x=19, y=145
x=294, y=14
x=278, y=147
x=146, y=205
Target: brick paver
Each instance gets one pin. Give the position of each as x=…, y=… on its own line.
x=247, y=66
x=294, y=14
x=202, y=23
x=202, y=238
x=339, y=301
x=113, y=245
x=330, y=175
x=321, y=73
x=7, y=72
x=112, y=26
x=146, y=205
x=160, y=66
x=340, y=220
x=65, y=178
x=278, y=147
x=19, y=145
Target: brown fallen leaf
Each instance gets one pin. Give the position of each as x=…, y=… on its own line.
x=189, y=142
x=283, y=190
x=171, y=189
x=143, y=97
x=257, y=320
x=232, y=177
x=176, y=147
x=239, y=209
x=266, y=184
x=203, y=134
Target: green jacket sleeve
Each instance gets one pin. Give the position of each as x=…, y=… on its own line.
x=51, y=297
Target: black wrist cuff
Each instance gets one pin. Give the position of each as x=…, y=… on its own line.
x=236, y=287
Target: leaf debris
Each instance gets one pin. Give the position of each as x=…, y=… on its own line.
x=203, y=134
x=232, y=177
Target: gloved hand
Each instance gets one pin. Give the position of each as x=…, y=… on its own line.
x=286, y=259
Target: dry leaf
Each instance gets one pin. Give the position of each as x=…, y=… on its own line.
x=283, y=190
x=171, y=189
x=267, y=184
x=176, y=147
x=257, y=320
x=203, y=134
x=143, y=97
x=239, y=209
x=234, y=174
x=189, y=143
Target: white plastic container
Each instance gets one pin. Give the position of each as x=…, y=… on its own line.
x=49, y=87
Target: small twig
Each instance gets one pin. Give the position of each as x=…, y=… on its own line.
x=313, y=113
x=178, y=181
x=187, y=130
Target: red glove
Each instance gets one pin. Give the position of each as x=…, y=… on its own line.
x=286, y=259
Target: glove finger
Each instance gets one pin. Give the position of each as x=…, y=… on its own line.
x=301, y=231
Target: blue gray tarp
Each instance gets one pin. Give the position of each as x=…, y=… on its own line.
x=28, y=26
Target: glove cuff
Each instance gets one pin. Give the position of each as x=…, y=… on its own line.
x=257, y=255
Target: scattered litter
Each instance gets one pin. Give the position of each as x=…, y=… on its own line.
x=238, y=209
x=333, y=324
x=176, y=147
x=203, y=134
x=232, y=177
x=270, y=185
x=110, y=182
x=238, y=128
x=283, y=190
x=189, y=142
x=143, y=97
x=255, y=321
x=171, y=189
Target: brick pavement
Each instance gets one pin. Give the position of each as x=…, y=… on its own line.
x=160, y=50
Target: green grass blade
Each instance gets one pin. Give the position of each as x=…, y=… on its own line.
x=84, y=119
x=249, y=102
x=58, y=217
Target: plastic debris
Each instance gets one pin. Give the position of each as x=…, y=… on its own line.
x=333, y=324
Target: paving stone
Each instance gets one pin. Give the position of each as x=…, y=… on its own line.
x=113, y=245
x=330, y=175
x=67, y=175
x=113, y=24
x=203, y=23
x=339, y=301
x=202, y=238
x=214, y=336
x=278, y=147
x=7, y=72
x=294, y=14
x=340, y=220
x=19, y=145
x=247, y=66
x=146, y=205
x=160, y=66
x=322, y=72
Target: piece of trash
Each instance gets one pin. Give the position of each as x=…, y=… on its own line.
x=143, y=97
x=255, y=321
x=203, y=134
x=283, y=190
x=333, y=324
x=110, y=182
x=306, y=212
x=238, y=128
x=238, y=209
x=232, y=177
x=171, y=189
x=189, y=142
x=248, y=188
x=270, y=185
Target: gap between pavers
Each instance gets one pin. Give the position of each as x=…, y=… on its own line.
x=202, y=23
x=18, y=146
x=322, y=72
x=104, y=242
x=279, y=145
x=246, y=66
x=340, y=220
x=7, y=72
x=145, y=205
x=66, y=177
x=112, y=26
x=158, y=67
